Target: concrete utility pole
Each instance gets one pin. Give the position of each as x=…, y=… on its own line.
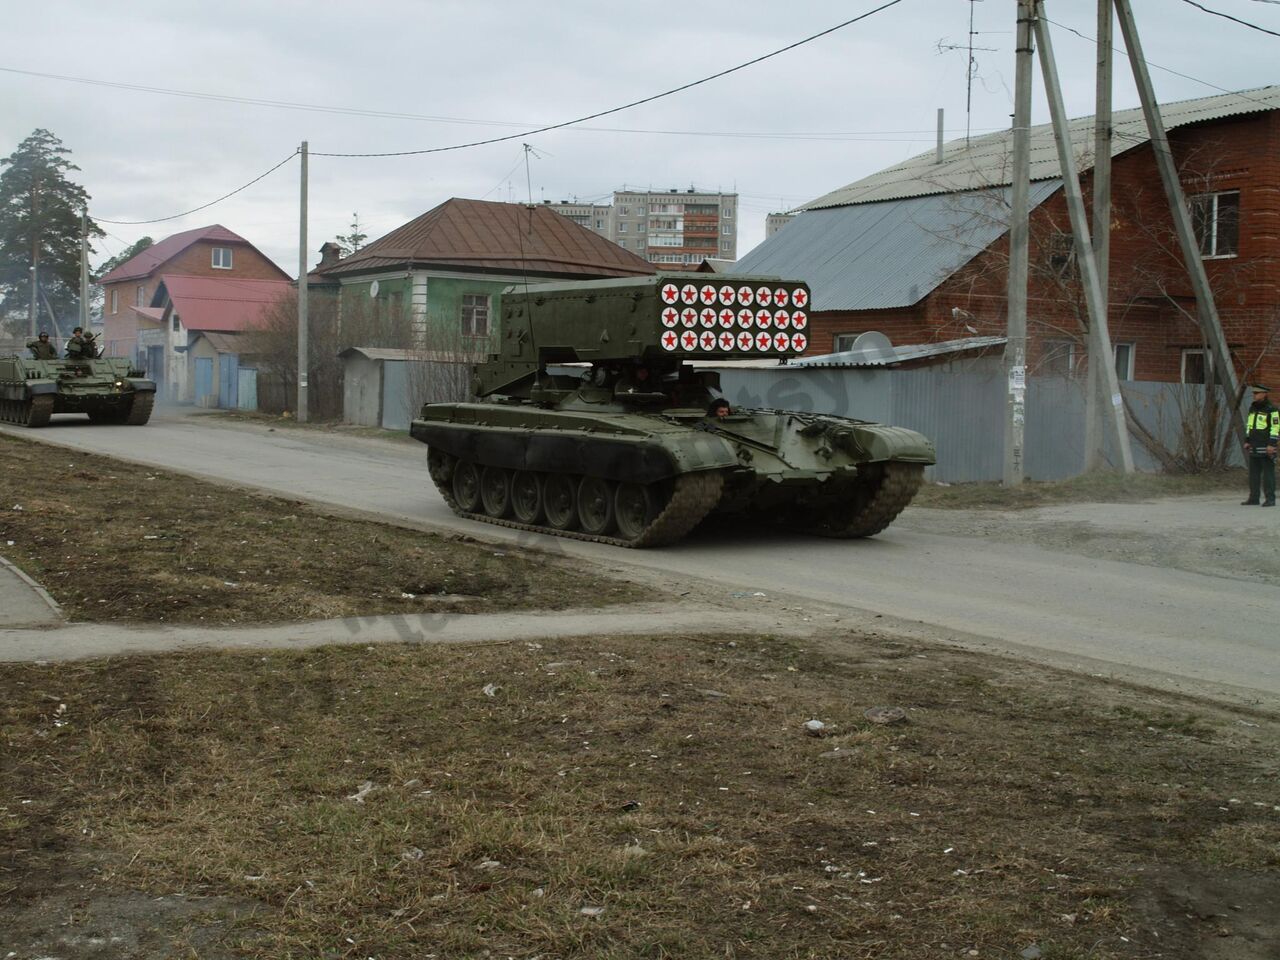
x=1094, y=299
x=84, y=269
x=1015, y=350
x=1099, y=352
x=35, y=253
x=1206, y=310
x=302, y=292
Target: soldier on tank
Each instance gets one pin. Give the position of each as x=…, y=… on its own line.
x=41, y=348
x=81, y=346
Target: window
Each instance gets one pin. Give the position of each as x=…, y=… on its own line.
x=640, y=210
x=622, y=228
x=140, y=298
x=1215, y=217
x=622, y=243
x=727, y=213
x=639, y=228
x=1195, y=366
x=475, y=315
x=177, y=324
x=115, y=301
x=1059, y=358
x=626, y=211
x=844, y=341
x=724, y=246
x=1062, y=256
x=727, y=229
x=1124, y=361
x=599, y=224
x=222, y=258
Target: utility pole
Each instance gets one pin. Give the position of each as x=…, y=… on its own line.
x=35, y=252
x=84, y=268
x=1224, y=370
x=302, y=292
x=1015, y=349
x=1100, y=352
x=1094, y=298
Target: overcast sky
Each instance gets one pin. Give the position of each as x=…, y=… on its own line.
x=777, y=133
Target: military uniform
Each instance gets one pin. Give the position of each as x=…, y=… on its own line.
x=81, y=346
x=1262, y=436
x=43, y=349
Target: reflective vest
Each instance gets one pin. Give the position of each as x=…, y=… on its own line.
x=1262, y=427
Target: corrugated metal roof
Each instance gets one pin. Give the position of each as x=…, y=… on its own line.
x=988, y=160
x=221, y=342
x=221, y=303
x=392, y=353
x=889, y=254
x=501, y=237
x=887, y=356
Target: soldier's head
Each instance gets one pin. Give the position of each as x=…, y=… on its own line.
x=44, y=336
x=719, y=408
x=77, y=330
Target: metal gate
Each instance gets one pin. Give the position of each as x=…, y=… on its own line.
x=248, y=389
x=228, y=381
x=205, y=396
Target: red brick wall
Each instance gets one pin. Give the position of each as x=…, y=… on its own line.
x=1241, y=153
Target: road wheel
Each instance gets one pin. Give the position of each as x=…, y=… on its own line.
x=595, y=505
x=495, y=491
x=526, y=496
x=634, y=507
x=560, y=501
x=466, y=486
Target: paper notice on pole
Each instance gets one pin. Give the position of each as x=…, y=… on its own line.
x=1117, y=400
x=1017, y=378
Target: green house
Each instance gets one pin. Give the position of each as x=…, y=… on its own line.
x=433, y=283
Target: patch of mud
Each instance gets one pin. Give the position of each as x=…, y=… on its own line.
x=1225, y=915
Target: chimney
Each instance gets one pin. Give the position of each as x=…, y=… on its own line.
x=938, y=157
x=330, y=254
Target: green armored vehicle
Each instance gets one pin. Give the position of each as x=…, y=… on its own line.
x=108, y=389
x=631, y=450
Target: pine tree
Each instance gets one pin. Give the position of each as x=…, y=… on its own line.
x=40, y=208
x=353, y=241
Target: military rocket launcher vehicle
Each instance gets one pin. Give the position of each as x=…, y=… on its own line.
x=108, y=389
x=626, y=450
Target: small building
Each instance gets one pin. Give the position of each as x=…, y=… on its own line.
x=222, y=373
x=385, y=387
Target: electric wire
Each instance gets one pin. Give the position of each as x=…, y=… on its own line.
x=1227, y=16
x=204, y=206
x=625, y=106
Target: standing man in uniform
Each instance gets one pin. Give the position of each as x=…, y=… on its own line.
x=42, y=349
x=1261, y=437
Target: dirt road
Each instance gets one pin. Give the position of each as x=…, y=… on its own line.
x=1176, y=593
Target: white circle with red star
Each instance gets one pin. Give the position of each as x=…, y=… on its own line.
x=670, y=293
x=799, y=319
x=670, y=340
x=689, y=293
x=670, y=317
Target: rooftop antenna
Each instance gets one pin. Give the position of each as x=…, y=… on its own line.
x=971, y=69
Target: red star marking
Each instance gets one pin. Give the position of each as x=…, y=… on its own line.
x=669, y=340
x=708, y=340
x=746, y=317
x=781, y=341
x=780, y=297
x=689, y=293
x=669, y=293
x=800, y=297
x=708, y=294
x=745, y=296
x=763, y=340
x=764, y=296
x=726, y=294
x=799, y=319
x=670, y=317
x=689, y=317
x=782, y=319
x=726, y=341
x=726, y=318
x=708, y=317
x=689, y=340
x=745, y=341
x=763, y=318
x=799, y=342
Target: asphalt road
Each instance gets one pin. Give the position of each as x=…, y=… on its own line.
x=1199, y=634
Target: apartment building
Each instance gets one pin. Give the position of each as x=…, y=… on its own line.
x=676, y=229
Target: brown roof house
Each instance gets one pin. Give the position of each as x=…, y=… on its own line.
x=431, y=283
x=205, y=279
x=919, y=251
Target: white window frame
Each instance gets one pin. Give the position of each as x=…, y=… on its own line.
x=467, y=314
x=1213, y=201
x=1130, y=349
x=140, y=295
x=843, y=342
x=1206, y=362
x=115, y=300
x=214, y=259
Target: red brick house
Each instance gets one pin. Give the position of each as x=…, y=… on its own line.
x=136, y=320
x=919, y=251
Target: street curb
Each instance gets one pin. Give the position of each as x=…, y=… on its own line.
x=41, y=592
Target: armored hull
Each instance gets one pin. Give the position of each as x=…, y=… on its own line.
x=628, y=450
x=106, y=389
x=645, y=479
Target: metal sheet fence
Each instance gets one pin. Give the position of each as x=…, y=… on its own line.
x=960, y=406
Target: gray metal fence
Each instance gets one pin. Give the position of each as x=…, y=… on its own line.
x=960, y=406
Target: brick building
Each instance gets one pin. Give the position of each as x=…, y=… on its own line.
x=919, y=251
x=143, y=313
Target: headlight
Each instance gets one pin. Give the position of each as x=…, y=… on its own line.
x=119, y=384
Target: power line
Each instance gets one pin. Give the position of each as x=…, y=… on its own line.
x=205, y=206
x=625, y=106
x=1227, y=16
